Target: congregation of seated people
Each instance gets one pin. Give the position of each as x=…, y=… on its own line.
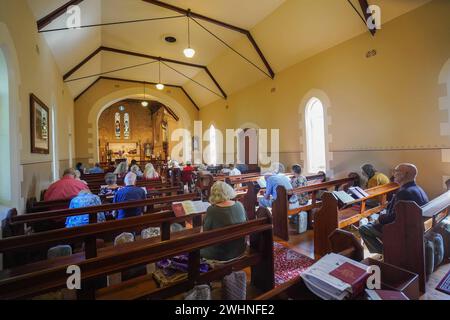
x=224, y=210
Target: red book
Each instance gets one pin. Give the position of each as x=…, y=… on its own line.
x=353, y=275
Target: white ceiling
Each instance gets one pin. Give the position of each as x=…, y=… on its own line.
x=287, y=31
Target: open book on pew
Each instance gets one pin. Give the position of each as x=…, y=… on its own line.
x=262, y=182
x=189, y=207
x=335, y=277
x=358, y=193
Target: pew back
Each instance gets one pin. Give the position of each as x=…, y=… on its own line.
x=260, y=259
x=403, y=239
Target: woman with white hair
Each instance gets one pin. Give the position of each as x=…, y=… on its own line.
x=224, y=212
x=122, y=169
x=150, y=172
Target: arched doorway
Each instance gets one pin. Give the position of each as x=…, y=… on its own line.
x=131, y=130
x=130, y=93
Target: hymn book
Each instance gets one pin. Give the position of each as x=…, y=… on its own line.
x=358, y=192
x=320, y=280
x=343, y=197
x=189, y=207
x=262, y=182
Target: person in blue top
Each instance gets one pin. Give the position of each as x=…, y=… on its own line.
x=404, y=174
x=84, y=199
x=96, y=169
x=129, y=193
x=274, y=179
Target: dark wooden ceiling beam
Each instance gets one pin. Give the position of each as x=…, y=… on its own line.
x=140, y=82
x=45, y=21
x=141, y=55
x=219, y=23
x=82, y=63
x=364, y=4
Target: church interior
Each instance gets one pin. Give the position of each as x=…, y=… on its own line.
x=225, y=150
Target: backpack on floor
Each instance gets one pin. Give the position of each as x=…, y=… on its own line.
x=444, y=230
x=434, y=251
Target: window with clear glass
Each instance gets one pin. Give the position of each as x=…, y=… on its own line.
x=315, y=136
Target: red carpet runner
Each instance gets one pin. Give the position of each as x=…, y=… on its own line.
x=288, y=263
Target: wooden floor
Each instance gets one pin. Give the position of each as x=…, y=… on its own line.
x=304, y=244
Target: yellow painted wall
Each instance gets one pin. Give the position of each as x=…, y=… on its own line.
x=390, y=101
x=38, y=74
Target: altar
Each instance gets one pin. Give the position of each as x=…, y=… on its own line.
x=123, y=150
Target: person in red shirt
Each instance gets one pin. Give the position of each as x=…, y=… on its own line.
x=187, y=175
x=66, y=188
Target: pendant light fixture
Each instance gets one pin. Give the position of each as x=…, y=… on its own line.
x=160, y=86
x=189, y=52
x=144, y=103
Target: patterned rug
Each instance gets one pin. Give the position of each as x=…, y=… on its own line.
x=289, y=264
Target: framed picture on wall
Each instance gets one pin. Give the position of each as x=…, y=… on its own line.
x=39, y=126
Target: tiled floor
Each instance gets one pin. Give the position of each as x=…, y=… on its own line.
x=304, y=244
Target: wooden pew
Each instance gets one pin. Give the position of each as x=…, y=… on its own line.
x=260, y=259
x=280, y=207
x=403, y=239
x=330, y=217
x=248, y=193
x=33, y=206
x=238, y=177
x=95, y=187
x=59, y=216
x=19, y=249
x=345, y=243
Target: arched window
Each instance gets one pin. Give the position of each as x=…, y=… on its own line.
x=5, y=156
x=212, y=146
x=315, y=136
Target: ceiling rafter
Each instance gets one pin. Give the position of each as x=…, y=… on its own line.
x=219, y=23
x=142, y=55
x=136, y=81
x=55, y=14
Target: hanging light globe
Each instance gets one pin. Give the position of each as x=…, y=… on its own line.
x=189, y=53
x=144, y=104
x=160, y=86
